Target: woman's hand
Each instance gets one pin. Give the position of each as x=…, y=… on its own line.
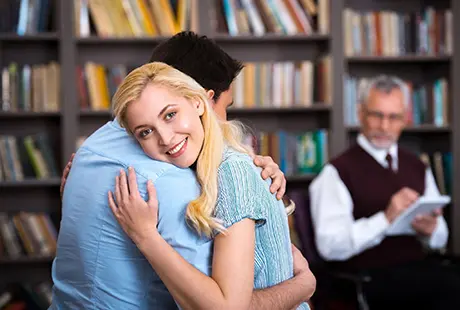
x=137, y=217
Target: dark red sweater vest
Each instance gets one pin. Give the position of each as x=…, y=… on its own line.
x=371, y=186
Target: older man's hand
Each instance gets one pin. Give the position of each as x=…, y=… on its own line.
x=426, y=224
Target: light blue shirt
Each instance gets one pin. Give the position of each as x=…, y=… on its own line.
x=97, y=266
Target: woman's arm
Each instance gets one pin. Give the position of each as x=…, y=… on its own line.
x=232, y=279
x=290, y=293
x=231, y=284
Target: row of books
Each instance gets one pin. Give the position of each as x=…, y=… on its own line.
x=98, y=83
x=427, y=103
x=33, y=88
x=386, y=33
x=441, y=166
x=283, y=84
x=26, y=296
x=258, y=17
x=26, y=234
x=261, y=84
x=27, y=157
x=296, y=153
x=24, y=16
x=135, y=18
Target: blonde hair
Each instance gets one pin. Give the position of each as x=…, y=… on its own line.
x=216, y=134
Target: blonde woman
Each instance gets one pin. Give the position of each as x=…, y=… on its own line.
x=167, y=112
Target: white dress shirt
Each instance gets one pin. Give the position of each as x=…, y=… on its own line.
x=338, y=235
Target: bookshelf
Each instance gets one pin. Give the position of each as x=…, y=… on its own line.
x=26, y=260
x=51, y=182
x=65, y=126
x=416, y=59
x=420, y=64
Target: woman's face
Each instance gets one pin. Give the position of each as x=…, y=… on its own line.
x=167, y=127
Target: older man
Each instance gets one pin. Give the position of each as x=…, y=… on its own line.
x=361, y=192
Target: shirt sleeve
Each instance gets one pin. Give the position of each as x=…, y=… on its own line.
x=338, y=235
x=172, y=222
x=240, y=195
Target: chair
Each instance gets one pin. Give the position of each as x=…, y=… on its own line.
x=323, y=298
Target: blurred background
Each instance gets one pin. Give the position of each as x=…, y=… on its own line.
x=305, y=60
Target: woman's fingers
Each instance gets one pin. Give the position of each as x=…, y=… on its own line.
x=118, y=192
x=113, y=206
x=124, y=190
x=132, y=182
x=152, y=202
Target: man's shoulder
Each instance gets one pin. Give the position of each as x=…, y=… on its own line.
x=112, y=145
x=410, y=157
x=109, y=140
x=408, y=153
x=237, y=167
x=232, y=157
x=346, y=155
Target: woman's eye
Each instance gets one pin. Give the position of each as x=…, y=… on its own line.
x=170, y=115
x=145, y=132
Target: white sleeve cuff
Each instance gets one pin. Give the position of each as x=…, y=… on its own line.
x=439, y=236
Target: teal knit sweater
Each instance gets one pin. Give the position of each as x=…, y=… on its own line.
x=244, y=194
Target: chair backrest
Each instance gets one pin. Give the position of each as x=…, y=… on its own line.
x=304, y=226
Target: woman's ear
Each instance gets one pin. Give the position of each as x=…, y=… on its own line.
x=200, y=107
x=210, y=93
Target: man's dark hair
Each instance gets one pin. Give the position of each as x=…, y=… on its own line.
x=201, y=58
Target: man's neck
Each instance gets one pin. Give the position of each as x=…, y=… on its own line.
x=378, y=154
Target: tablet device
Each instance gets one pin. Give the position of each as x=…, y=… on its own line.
x=402, y=225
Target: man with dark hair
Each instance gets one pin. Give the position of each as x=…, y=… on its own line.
x=206, y=62
x=97, y=266
x=188, y=51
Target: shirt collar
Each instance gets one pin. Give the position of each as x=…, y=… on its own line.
x=116, y=124
x=378, y=154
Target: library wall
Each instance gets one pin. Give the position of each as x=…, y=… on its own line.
x=305, y=60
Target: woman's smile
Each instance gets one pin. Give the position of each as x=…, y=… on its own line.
x=178, y=149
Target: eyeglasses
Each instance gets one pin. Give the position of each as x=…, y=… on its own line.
x=379, y=116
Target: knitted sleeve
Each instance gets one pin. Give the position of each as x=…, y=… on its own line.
x=239, y=194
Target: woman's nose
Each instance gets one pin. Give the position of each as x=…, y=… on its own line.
x=165, y=136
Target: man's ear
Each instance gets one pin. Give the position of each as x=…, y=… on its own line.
x=210, y=93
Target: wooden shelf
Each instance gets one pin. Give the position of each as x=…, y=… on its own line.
x=88, y=113
x=32, y=183
x=274, y=110
x=39, y=37
x=426, y=128
x=21, y=114
x=26, y=260
x=221, y=38
x=120, y=40
x=399, y=59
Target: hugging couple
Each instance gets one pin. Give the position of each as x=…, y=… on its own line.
x=165, y=207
